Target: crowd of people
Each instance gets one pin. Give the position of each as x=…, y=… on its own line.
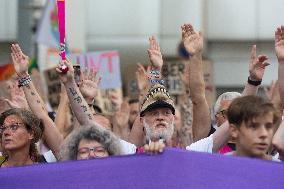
x=244, y=125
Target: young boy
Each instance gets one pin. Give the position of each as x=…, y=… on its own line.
x=253, y=122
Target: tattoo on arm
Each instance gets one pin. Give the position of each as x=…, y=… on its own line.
x=84, y=108
x=90, y=116
x=38, y=101
x=72, y=91
x=32, y=93
x=78, y=99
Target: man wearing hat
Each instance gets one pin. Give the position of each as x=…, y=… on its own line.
x=157, y=114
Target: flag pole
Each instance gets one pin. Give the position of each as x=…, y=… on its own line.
x=61, y=28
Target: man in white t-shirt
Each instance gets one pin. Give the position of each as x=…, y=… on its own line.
x=157, y=116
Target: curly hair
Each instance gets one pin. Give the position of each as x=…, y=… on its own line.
x=32, y=124
x=90, y=132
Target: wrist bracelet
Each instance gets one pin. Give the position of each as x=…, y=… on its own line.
x=155, y=77
x=154, y=74
x=154, y=81
x=254, y=83
x=24, y=81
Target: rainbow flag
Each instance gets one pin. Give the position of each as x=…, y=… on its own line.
x=6, y=71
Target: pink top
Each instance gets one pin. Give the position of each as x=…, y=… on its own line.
x=225, y=149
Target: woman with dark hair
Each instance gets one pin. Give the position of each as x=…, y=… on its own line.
x=90, y=141
x=20, y=129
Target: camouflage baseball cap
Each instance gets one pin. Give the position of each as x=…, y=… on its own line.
x=157, y=97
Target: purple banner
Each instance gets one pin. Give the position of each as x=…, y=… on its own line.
x=173, y=169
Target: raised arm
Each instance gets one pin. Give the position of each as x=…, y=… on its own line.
x=278, y=140
x=89, y=85
x=154, y=75
x=121, y=116
x=78, y=103
x=18, y=99
x=193, y=43
x=279, y=50
x=256, y=71
x=51, y=135
x=62, y=112
x=137, y=134
x=155, y=54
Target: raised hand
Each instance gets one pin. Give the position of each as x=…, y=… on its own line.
x=18, y=99
x=121, y=117
x=20, y=60
x=272, y=92
x=89, y=84
x=192, y=41
x=66, y=77
x=155, y=54
x=257, y=65
x=142, y=77
x=279, y=43
x=116, y=100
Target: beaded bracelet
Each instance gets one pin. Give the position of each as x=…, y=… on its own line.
x=155, y=77
x=24, y=81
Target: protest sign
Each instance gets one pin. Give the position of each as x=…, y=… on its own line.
x=106, y=63
x=53, y=87
x=103, y=100
x=171, y=74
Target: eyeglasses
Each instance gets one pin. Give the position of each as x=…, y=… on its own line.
x=98, y=151
x=222, y=112
x=13, y=127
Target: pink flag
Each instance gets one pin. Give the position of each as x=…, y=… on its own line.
x=61, y=24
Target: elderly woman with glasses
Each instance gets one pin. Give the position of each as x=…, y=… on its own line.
x=91, y=141
x=20, y=129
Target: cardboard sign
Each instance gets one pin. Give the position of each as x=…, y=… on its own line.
x=103, y=100
x=53, y=87
x=175, y=86
x=106, y=63
x=170, y=72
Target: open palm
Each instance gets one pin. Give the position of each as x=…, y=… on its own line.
x=20, y=60
x=141, y=77
x=89, y=84
x=121, y=117
x=155, y=54
x=193, y=42
x=279, y=43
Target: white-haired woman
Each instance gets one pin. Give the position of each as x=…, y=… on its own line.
x=90, y=141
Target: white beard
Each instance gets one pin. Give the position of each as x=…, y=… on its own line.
x=154, y=134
